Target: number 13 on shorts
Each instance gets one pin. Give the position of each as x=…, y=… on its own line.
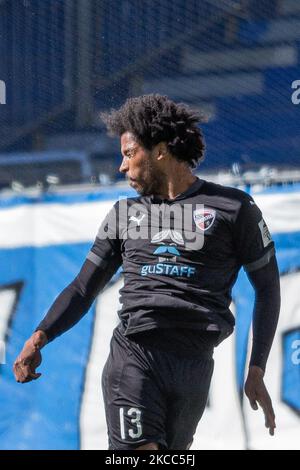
x=135, y=429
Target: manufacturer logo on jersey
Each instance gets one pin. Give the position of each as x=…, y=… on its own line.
x=204, y=218
x=135, y=219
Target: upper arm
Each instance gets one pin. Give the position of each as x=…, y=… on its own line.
x=266, y=278
x=103, y=259
x=106, y=250
x=253, y=242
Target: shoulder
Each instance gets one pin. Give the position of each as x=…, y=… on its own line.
x=129, y=201
x=226, y=192
x=122, y=204
x=234, y=202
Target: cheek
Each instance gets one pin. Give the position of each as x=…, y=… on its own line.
x=140, y=170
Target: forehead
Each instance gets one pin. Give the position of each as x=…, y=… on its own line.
x=128, y=141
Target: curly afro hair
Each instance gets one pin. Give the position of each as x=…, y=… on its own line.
x=153, y=119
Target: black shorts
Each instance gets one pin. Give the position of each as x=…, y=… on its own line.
x=151, y=395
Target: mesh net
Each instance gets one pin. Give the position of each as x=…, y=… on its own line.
x=64, y=61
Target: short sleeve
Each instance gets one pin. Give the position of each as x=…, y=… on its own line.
x=253, y=241
x=107, y=247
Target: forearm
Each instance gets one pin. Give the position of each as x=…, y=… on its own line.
x=38, y=340
x=266, y=283
x=265, y=319
x=68, y=308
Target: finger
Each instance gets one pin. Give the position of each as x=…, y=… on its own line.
x=267, y=407
x=28, y=378
x=19, y=375
x=34, y=375
x=253, y=404
x=270, y=423
x=30, y=372
x=23, y=373
x=15, y=370
x=266, y=404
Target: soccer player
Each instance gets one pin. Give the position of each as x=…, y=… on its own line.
x=178, y=276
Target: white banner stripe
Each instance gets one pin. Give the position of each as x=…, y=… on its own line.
x=51, y=224
x=35, y=224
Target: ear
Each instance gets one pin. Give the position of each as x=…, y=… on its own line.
x=161, y=151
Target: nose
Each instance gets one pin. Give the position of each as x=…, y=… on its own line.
x=124, y=165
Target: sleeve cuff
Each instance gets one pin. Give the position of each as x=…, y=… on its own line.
x=261, y=262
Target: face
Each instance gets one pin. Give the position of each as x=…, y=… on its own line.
x=140, y=166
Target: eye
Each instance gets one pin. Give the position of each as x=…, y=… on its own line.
x=130, y=153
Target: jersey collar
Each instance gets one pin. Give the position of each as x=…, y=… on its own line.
x=188, y=192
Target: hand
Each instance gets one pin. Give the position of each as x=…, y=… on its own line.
x=30, y=358
x=256, y=392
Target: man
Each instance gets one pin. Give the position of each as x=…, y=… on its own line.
x=177, y=282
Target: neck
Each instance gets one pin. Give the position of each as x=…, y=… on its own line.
x=176, y=185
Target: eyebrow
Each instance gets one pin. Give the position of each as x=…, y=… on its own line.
x=129, y=149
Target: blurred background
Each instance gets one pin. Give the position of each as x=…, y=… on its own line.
x=62, y=62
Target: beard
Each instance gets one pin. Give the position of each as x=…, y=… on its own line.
x=151, y=183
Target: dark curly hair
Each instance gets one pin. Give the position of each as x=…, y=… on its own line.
x=153, y=119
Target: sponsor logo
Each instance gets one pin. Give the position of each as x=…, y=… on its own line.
x=170, y=251
x=167, y=256
x=167, y=250
x=174, y=235
x=168, y=270
x=204, y=218
x=265, y=234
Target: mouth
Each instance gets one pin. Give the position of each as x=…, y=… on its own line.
x=132, y=181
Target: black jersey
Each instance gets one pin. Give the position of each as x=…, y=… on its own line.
x=178, y=278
